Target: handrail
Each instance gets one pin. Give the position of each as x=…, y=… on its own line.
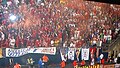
x=113, y=44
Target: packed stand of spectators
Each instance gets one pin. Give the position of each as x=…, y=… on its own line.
x=47, y=23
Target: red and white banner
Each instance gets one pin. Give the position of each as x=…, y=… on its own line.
x=85, y=54
x=92, y=55
x=43, y=50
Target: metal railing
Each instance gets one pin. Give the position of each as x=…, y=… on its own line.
x=114, y=44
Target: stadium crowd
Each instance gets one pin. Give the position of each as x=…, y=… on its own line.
x=47, y=23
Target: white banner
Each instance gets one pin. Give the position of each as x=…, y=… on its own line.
x=20, y=52
x=85, y=54
x=16, y=52
x=44, y=50
x=63, y=53
x=117, y=65
x=71, y=53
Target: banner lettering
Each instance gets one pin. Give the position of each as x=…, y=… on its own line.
x=63, y=53
x=71, y=53
x=109, y=66
x=43, y=50
x=117, y=65
x=16, y=52
x=20, y=52
x=85, y=54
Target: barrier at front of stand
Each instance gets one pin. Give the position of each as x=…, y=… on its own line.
x=101, y=66
x=27, y=66
x=109, y=66
x=92, y=66
x=117, y=65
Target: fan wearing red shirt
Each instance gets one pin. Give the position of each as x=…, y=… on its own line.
x=34, y=32
x=32, y=2
x=62, y=64
x=0, y=1
x=93, y=50
x=28, y=43
x=6, y=43
x=83, y=62
x=17, y=65
x=17, y=42
x=60, y=35
x=102, y=61
x=75, y=64
x=37, y=43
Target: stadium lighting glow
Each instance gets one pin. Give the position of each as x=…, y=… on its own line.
x=13, y=17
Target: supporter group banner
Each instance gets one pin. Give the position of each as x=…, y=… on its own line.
x=20, y=52
x=71, y=53
x=91, y=66
x=109, y=66
x=16, y=52
x=43, y=50
x=63, y=53
x=117, y=65
x=1, y=53
x=85, y=53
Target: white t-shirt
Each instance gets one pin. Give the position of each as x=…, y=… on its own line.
x=115, y=60
x=2, y=36
x=116, y=30
x=52, y=42
x=12, y=42
x=110, y=32
x=92, y=62
x=109, y=37
x=72, y=45
x=100, y=43
x=94, y=41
